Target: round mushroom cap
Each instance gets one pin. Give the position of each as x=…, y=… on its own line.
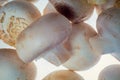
x=63, y=75
x=75, y=10
x=111, y=72
x=12, y=68
x=15, y=16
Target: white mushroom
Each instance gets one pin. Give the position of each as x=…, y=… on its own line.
x=49, y=8
x=84, y=56
x=108, y=25
x=63, y=75
x=12, y=68
x=44, y=36
x=15, y=16
x=111, y=72
x=75, y=10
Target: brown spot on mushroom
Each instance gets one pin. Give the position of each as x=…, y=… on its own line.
x=65, y=10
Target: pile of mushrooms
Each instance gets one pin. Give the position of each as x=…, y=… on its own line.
x=60, y=36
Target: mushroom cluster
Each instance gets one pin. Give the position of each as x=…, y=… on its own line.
x=60, y=36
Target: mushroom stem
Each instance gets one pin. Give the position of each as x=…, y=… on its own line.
x=57, y=56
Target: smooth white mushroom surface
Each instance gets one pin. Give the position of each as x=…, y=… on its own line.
x=111, y=72
x=84, y=56
x=108, y=25
x=12, y=68
x=63, y=75
x=15, y=16
x=43, y=35
x=74, y=10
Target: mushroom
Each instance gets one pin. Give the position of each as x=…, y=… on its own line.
x=111, y=72
x=108, y=26
x=12, y=68
x=63, y=75
x=75, y=10
x=84, y=56
x=102, y=5
x=49, y=8
x=44, y=36
x=15, y=16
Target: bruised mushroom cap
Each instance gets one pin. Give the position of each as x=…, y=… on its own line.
x=43, y=35
x=75, y=10
x=111, y=72
x=49, y=8
x=84, y=56
x=15, y=16
x=108, y=25
x=12, y=68
x=63, y=75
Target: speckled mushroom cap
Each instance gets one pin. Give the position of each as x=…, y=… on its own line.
x=12, y=68
x=15, y=16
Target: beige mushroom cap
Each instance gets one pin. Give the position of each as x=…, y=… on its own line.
x=63, y=75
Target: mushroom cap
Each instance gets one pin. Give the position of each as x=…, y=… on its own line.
x=63, y=75
x=43, y=35
x=75, y=10
x=15, y=16
x=12, y=68
x=108, y=25
x=84, y=56
x=111, y=72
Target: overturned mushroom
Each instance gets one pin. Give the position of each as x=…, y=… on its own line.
x=74, y=10
x=15, y=16
x=12, y=68
x=63, y=75
x=44, y=36
x=84, y=56
x=111, y=72
x=108, y=25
